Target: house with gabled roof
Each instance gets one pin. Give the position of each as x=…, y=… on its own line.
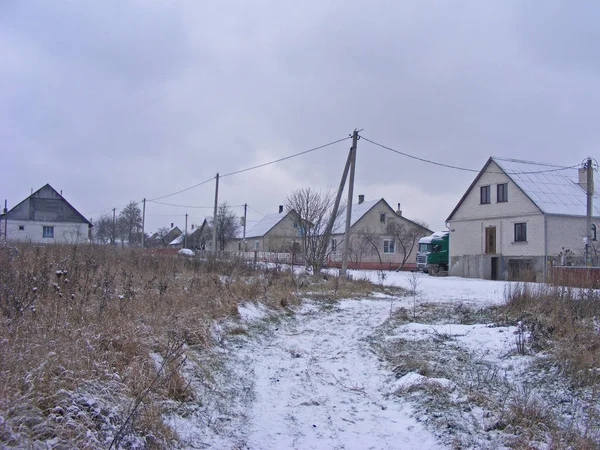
x=516, y=216
x=276, y=232
x=45, y=217
x=380, y=237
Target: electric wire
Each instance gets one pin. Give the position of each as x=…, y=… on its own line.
x=181, y=191
x=428, y=161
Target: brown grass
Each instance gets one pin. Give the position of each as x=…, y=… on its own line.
x=92, y=338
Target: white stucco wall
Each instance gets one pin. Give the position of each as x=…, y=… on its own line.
x=568, y=232
x=64, y=232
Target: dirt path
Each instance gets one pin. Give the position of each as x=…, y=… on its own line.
x=317, y=384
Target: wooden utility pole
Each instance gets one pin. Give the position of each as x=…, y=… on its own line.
x=143, y=222
x=5, y=218
x=185, y=235
x=245, y=220
x=346, y=249
x=214, y=236
x=114, y=233
x=590, y=195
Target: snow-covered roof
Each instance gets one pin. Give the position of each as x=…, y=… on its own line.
x=263, y=226
x=178, y=240
x=553, y=189
x=358, y=210
x=431, y=237
x=249, y=225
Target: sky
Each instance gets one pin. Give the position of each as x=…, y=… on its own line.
x=116, y=101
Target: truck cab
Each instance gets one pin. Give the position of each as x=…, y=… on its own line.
x=437, y=258
x=423, y=249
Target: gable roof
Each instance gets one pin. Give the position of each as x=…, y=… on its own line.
x=264, y=225
x=358, y=210
x=552, y=189
x=34, y=195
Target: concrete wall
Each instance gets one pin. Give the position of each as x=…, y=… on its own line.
x=568, y=232
x=64, y=232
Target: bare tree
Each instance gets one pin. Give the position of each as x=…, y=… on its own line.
x=228, y=225
x=130, y=223
x=406, y=235
x=314, y=209
x=371, y=242
x=103, y=231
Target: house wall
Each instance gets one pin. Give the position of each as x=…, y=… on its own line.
x=568, y=232
x=363, y=252
x=64, y=232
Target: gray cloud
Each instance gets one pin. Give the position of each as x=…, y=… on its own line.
x=113, y=101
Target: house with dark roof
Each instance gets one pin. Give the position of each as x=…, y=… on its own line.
x=45, y=217
x=380, y=237
x=517, y=216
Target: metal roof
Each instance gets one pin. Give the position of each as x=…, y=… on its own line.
x=553, y=189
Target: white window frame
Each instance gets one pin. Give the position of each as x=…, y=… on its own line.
x=256, y=244
x=48, y=231
x=389, y=246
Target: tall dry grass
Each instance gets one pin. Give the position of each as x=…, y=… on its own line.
x=92, y=339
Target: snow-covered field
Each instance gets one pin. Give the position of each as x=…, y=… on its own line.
x=389, y=371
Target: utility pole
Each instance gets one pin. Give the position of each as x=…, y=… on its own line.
x=214, y=236
x=590, y=194
x=185, y=235
x=5, y=218
x=245, y=220
x=143, y=222
x=336, y=205
x=114, y=233
x=349, y=206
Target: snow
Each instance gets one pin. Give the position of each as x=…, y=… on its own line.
x=186, y=252
x=311, y=380
x=262, y=227
x=358, y=210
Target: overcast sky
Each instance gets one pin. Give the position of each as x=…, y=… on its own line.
x=112, y=101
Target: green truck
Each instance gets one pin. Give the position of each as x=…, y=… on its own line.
x=437, y=258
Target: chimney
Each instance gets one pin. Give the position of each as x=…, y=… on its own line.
x=171, y=224
x=583, y=178
x=61, y=192
x=399, y=210
x=280, y=209
x=361, y=198
x=192, y=226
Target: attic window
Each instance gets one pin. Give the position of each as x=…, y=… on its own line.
x=295, y=224
x=382, y=217
x=485, y=195
x=502, y=193
x=21, y=227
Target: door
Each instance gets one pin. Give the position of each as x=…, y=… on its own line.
x=490, y=240
x=494, y=268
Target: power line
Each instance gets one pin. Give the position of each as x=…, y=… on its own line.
x=428, y=161
x=179, y=206
x=286, y=157
x=182, y=190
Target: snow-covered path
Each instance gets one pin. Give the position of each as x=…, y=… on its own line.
x=318, y=385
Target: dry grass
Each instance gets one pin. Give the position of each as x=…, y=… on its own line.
x=93, y=338
x=562, y=321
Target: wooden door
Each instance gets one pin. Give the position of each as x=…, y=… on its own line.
x=490, y=240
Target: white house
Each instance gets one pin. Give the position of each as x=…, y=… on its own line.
x=276, y=232
x=515, y=217
x=45, y=217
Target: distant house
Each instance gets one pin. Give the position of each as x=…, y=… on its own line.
x=45, y=217
x=380, y=238
x=277, y=232
x=156, y=241
x=515, y=217
x=199, y=239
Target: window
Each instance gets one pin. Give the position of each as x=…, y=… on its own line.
x=21, y=227
x=388, y=246
x=593, y=232
x=502, y=193
x=48, y=232
x=520, y=232
x=295, y=224
x=255, y=245
x=333, y=245
x=485, y=195
x=382, y=217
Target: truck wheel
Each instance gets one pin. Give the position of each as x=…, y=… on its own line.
x=433, y=270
